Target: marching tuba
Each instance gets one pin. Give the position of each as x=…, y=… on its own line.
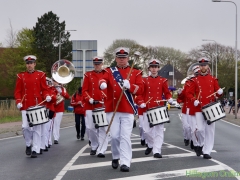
x=63, y=72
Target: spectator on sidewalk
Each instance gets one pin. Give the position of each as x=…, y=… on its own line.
x=232, y=104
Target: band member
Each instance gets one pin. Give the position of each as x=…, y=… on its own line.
x=140, y=119
x=188, y=109
x=30, y=88
x=59, y=109
x=115, y=80
x=154, y=88
x=79, y=111
x=51, y=112
x=94, y=98
x=200, y=88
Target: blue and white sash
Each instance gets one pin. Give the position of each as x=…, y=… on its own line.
x=119, y=79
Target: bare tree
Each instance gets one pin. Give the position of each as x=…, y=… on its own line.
x=11, y=40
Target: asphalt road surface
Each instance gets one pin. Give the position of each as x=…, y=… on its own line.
x=70, y=159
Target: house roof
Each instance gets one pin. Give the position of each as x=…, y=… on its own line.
x=164, y=72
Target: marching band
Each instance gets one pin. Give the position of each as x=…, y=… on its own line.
x=107, y=102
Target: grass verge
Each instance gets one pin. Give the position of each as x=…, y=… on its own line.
x=10, y=119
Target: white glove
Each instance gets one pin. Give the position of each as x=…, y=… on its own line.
x=126, y=83
x=196, y=102
x=170, y=100
x=103, y=86
x=19, y=105
x=179, y=91
x=91, y=100
x=48, y=98
x=220, y=91
x=143, y=105
x=59, y=89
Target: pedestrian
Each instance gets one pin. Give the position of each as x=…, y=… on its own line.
x=199, y=89
x=30, y=90
x=79, y=111
x=116, y=82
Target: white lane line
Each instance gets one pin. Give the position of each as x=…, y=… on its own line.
x=135, y=160
x=69, y=164
x=230, y=123
x=177, y=173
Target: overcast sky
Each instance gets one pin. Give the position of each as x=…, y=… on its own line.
x=180, y=24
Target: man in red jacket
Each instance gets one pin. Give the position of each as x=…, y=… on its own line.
x=29, y=91
x=59, y=109
x=154, y=88
x=200, y=88
x=115, y=80
x=94, y=98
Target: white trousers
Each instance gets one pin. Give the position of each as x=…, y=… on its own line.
x=186, y=126
x=43, y=135
x=48, y=132
x=56, y=125
x=140, y=119
x=92, y=131
x=121, y=130
x=32, y=135
x=154, y=135
x=204, y=133
x=102, y=140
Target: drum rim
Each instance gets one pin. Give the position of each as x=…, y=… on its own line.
x=210, y=104
x=158, y=107
x=98, y=109
x=36, y=107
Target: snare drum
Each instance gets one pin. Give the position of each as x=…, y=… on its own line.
x=37, y=115
x=213, y=112
x=158, y=115
x=99, y=117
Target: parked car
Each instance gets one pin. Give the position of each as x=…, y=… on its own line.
x=174, y=104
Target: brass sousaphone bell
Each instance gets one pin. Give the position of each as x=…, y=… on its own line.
x=63, y=72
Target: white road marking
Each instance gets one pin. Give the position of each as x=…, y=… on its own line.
x=229, y=123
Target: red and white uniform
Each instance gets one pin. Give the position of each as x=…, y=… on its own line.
x=78, y=108
x=90, y=89
x=208, y=85
x=59, y=109
x=30, y=89
x=154, y=87
x=123, y=120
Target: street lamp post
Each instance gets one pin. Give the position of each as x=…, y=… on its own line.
x=60, y=41
x=216, y=53
x=236, y=72
x=173, y=72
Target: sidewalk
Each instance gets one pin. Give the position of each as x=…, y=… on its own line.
x=15, y=128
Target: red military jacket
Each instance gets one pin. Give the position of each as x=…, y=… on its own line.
x=187, y=103
x=60, y=107
x=51, y=105
x=90, y=89
x=154, y=87
x=114, y=90
x=207, y=85
x=30, y=88
x=78, y=108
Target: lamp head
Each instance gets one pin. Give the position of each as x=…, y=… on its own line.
x=216, y=0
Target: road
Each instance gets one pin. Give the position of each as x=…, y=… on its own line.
x=70, y=159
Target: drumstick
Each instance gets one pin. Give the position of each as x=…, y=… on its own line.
x=214, y=93
x=43, y=101
x=104, y=94
x=199, y=95
x=88, y=94
x=23, y=98
x=148, y=100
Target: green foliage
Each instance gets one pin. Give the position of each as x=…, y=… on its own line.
x=46, y=33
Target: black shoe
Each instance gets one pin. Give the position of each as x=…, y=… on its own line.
x=49, y=146
x=124, y=168
x=34, y=154
x=93, y=152
x=41, y=151
x=115, y=163
x=28, y=150
x=82, y=138
x=186, y=141
x=89, y=142
x=191, y=145
x=157, y=155
x=198, y=150
x=46, y=148
x=78, y=136
x=100, y=155
x=148, y=151
x=143, y=142
x=207, y=156
x=55, y=142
